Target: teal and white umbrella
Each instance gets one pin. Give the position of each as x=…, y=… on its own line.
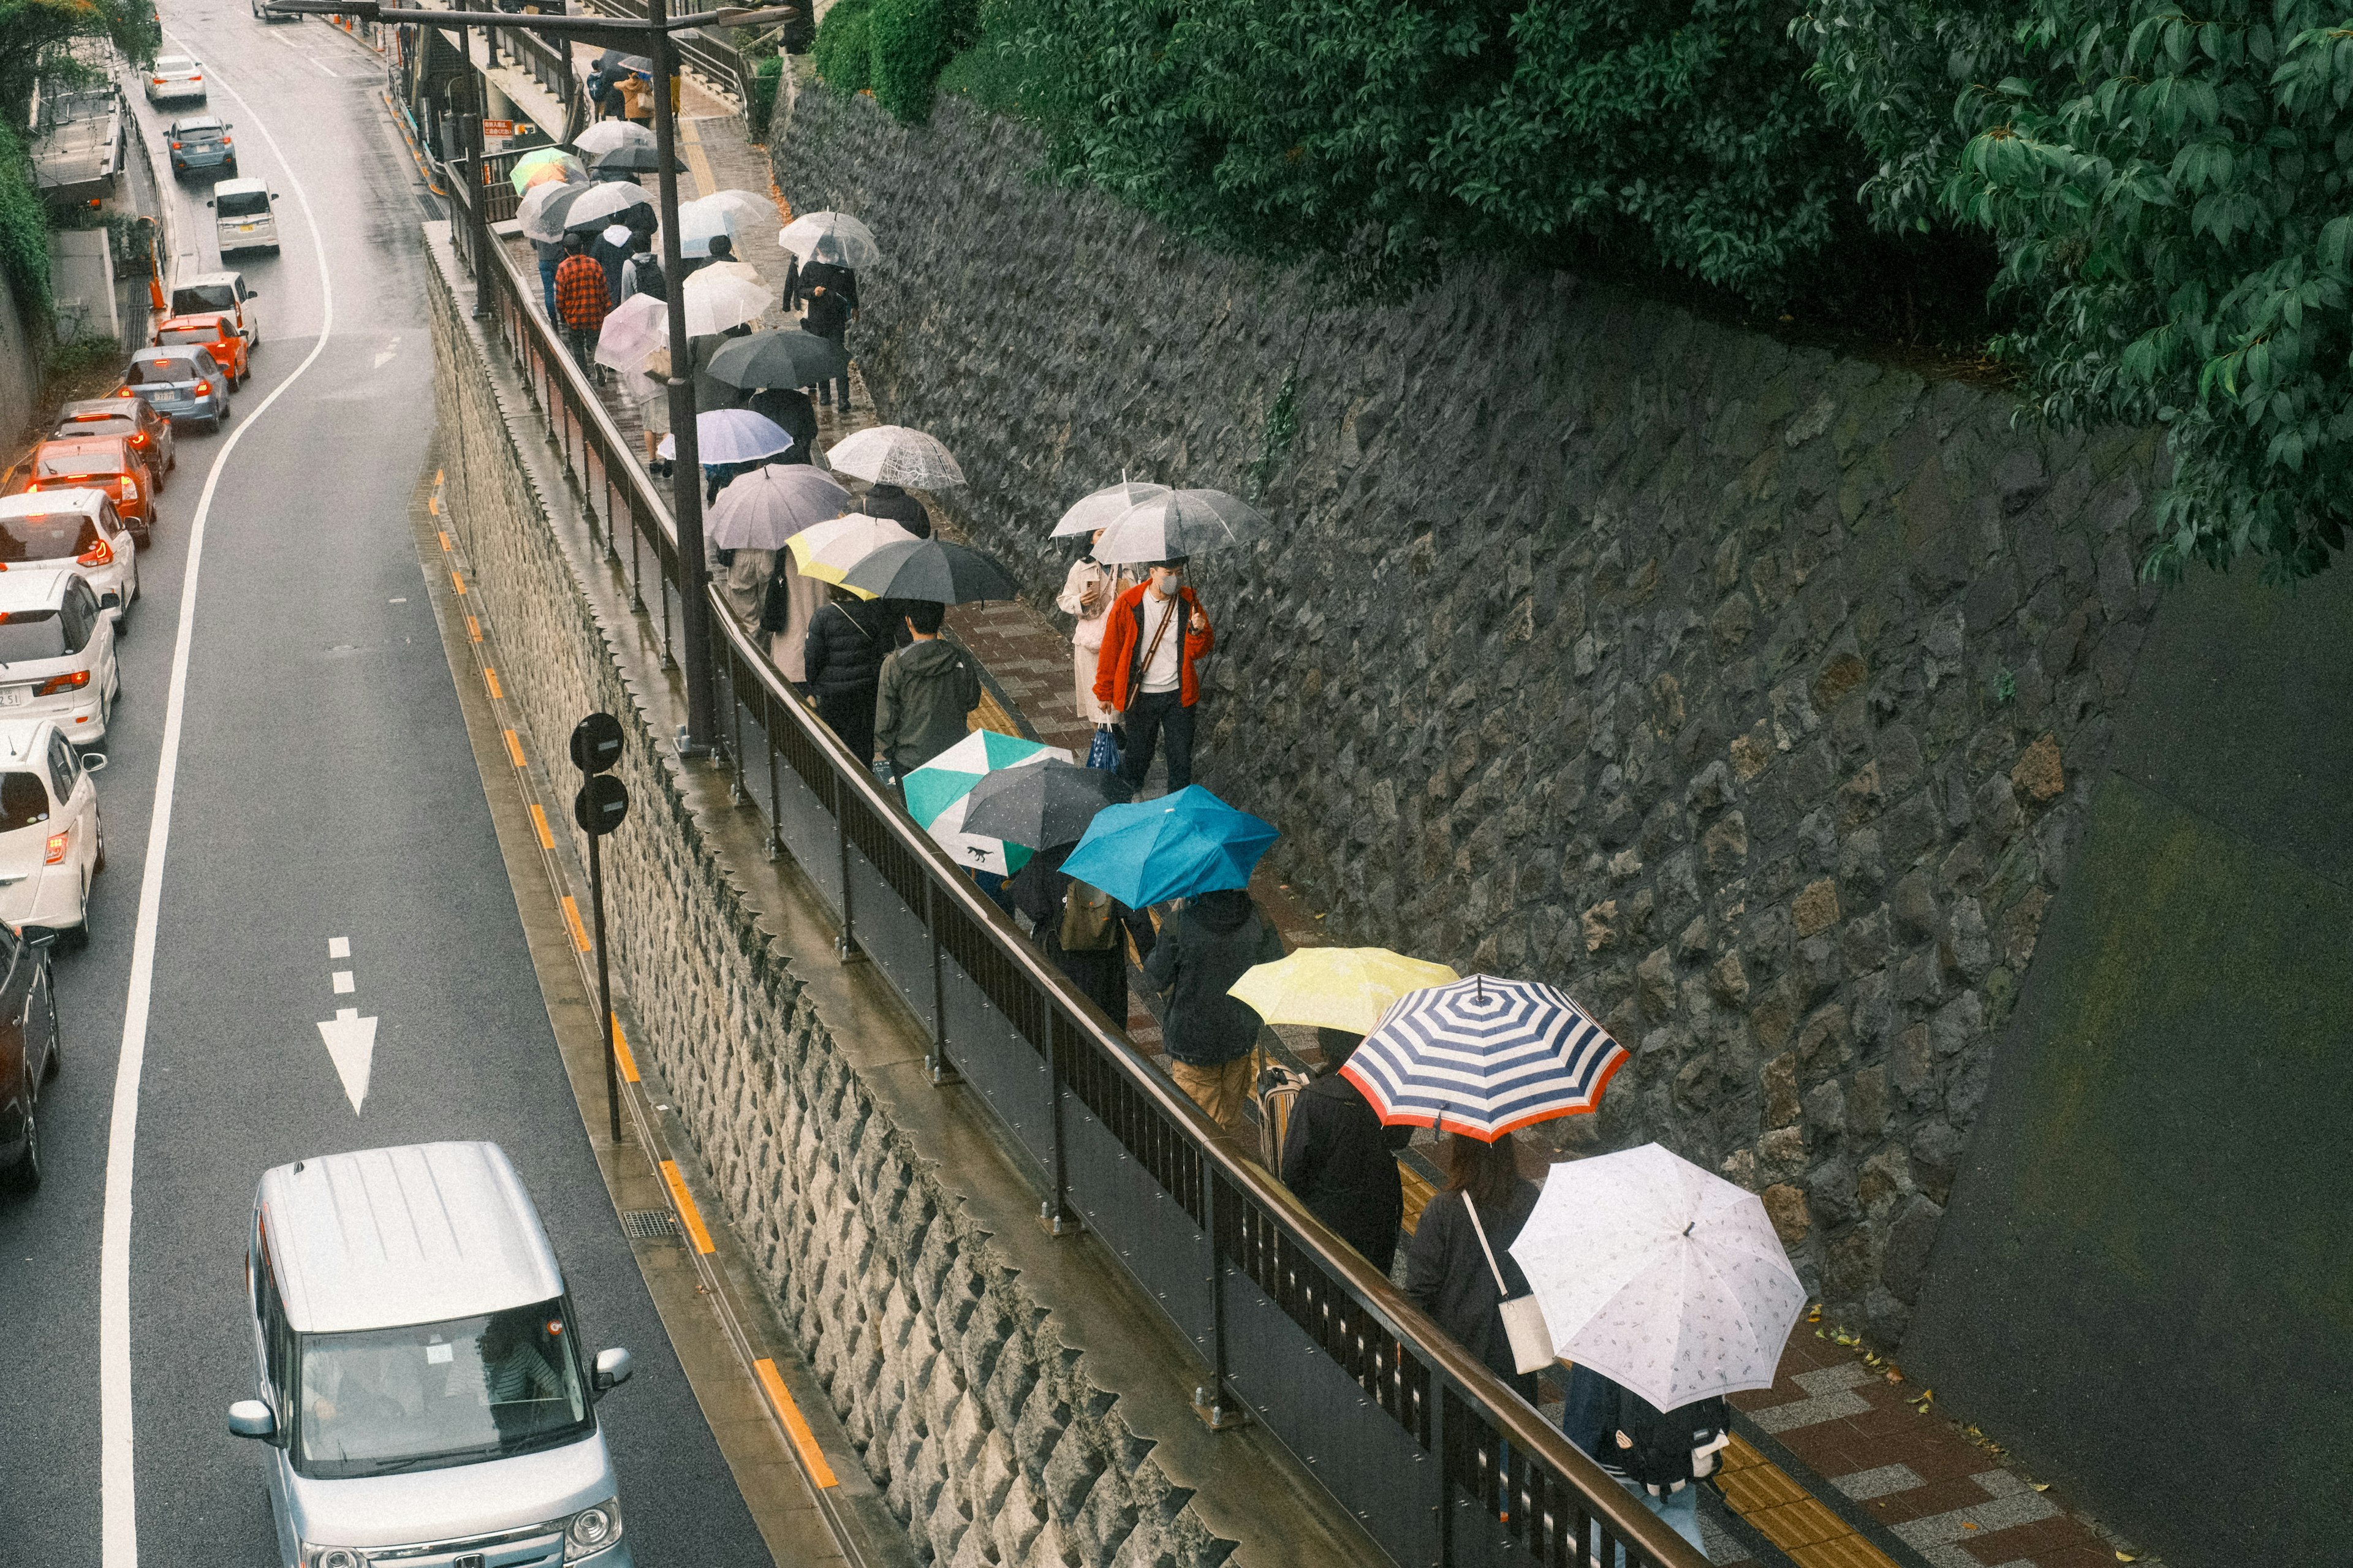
x=938, y=791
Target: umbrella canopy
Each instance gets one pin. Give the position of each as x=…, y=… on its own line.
x=1105, y=506
x=1041, y=808
x=731, y=435
x=1661, y=1277
x=717, y=301
x=764, y=508
x=828, y=549
x=933, y=569
x=546, y=205
x=565, y=166
x=1336, y=987
x=1182, y=522
x=1172, y=847
x=632, y=329
x=598, y=205
x=795, y=358
x=744, y=209
x=634, y=159
x=937, y=793
x=609, y=59
x=611, y=135
x=852, y=239
x=894, y=455
x=1483, y=1056
x=640, y=64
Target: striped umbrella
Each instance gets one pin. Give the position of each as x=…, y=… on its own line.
x=1483, y=1057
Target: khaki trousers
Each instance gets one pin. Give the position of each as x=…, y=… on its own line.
x=1219, y=1091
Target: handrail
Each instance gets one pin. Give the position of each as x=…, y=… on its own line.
x=711, y=56
x=1491, y=1446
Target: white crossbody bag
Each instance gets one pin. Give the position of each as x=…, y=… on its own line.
x=1523, y=1321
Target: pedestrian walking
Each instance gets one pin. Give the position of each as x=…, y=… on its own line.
x=642, y=273
x=636, y=98
x=650, y=392
x=1656, y=1454
x=884, y=500
x=792, y=604
x=1342, y=1162
x=792, y=412
x=1446, y=1273
x=1083, y=930
x=613, y=103
x=842, y=664
x=722, y=248
x=1203, y=949
x=611, y=248
x=1148, y=672
x=582, y=303
x=926, y=691
x=829, y=290
x=1087, y=593
x=551, y=254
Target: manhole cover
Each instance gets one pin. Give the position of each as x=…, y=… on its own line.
x=649, y=1225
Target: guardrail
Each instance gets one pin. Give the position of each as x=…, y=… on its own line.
x=550, y=65
x=1437, y=1459
x=705, y=53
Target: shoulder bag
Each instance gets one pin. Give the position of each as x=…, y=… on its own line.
x=1523, y=1321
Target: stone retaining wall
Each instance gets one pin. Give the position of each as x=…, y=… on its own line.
x=1745, y=690
x=982, y=1427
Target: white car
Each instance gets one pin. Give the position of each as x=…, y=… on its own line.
x=174, y=77
x=51, y=842
x=57, y=653
x=76, y=530
x=223, y=291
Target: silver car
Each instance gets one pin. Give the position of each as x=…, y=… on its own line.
x=174, y=77
x=422, y=1391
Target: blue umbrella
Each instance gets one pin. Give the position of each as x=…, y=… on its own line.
x=1172, y=847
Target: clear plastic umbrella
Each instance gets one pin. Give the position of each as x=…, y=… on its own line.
x=611, y=136
x=854, y=239
x=1105, y=506
x=717, y=301
x=524, y=174
x=598, y=205
x=547, y=206
x=721, y=211
x=732, y=436
x=764, y=508
x=1182, y=522
x=894, y=455
x=632, y=329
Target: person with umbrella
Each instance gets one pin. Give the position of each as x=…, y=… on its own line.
x=1091, y=586
x=1148, y=671
x=842, y=667
x=582, y=303
x=891, y=458
x=1081, y=929
x=753, y=517
x=1205, y=948
x=641, y=271
x=1478, y=1215
x=926, y=692
x=829, y=288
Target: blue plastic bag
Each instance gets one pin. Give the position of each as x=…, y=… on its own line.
x=1104, y=753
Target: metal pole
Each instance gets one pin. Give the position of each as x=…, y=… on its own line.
x=605, y=989
x=845, y=942
x=1212, y=1403
x=943, y=1071
x=1054, y=1213
x=686, y=482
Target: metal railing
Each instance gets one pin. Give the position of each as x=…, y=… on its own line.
x=548, y=63
x=1438, y=1460
x=705, y=51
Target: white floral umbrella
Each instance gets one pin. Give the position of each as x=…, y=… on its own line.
x=892, y=454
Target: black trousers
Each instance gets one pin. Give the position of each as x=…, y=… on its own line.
x=836, y=385
x=1152, y=715
x=851, y=715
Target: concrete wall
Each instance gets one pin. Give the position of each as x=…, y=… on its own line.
x=1748, y=691
x=20, y=371
x=989, y=1437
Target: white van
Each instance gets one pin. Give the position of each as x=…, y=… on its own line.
x=242, y=216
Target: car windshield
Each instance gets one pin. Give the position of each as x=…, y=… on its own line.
x=101, y=425
x=74, y=464
x=166, y=64
x=196, y=299
x=45, y=536
x=199, y=128
x=29, y=634
x=23, y=802
x=206, y=334
x=242, y=204
x=437, y=1395
x=163, y=372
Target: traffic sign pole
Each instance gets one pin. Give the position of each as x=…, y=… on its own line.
x=600, y=808
x=605, y=989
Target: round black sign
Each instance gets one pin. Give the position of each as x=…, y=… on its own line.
x=597, y=743
x=600, y=804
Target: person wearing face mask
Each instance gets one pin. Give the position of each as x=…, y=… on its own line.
x=1148, y=672
x=1087, y=593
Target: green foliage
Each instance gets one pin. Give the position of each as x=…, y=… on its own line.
x=765, y=75
x=24, y=229
x=2171, y=198
x=913, y=40
x=844, y=52
x=87, y=367
x=32, y=30
x=1281, y=429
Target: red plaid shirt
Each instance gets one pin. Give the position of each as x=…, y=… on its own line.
x=580, y=293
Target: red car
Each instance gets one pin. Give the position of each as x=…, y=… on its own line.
x=106, y=464
x=215, y=332
x=132, y=418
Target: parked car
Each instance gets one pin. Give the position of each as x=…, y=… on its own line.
x=51, y=840
x=220, y=291
x=215, y=332
x=57, y=647
x=180, y=384
x=201, y=142
x=420, y=1386
x=104, y=463
x=132, y=418
x=242, y=217
x=75, y=530
x=29, y=1053
x=174, y=77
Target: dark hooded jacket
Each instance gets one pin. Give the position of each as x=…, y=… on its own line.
x=1342, y=1163
x=793, y=412
x=845, y=645
x=927, y=689
x=1200, y=954
x=891, y=502
x=1446, y=1275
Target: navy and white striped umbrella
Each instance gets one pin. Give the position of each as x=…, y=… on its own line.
x=1483, y=1057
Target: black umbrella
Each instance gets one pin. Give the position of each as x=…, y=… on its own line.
x=606, y=61
x=634, y=161
x=931, y=569
x=1041, y=805
x=795, y=358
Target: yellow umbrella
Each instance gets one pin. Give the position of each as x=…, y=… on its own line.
x=1336, y=987
x=827, y=550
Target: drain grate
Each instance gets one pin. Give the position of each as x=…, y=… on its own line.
x=650, y=1224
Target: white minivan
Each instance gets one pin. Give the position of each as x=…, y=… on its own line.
x=243, y=217
x=51, y=843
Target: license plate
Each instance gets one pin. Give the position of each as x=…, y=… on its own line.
x=13, y=696
x=245, y=228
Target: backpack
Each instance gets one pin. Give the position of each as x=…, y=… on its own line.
x=1087, y=922
x=1663, y=1450
x=1277, y=1092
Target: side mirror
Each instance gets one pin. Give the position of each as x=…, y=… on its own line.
x=93, y=761
x=613, y=1369
x=251, y=1419
x=208, y=201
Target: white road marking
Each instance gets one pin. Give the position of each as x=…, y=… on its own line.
x=339, y=947
x=351, y=1042
x=384, y=355
x=343, y=983
x=307, y=60
x=119, y=1504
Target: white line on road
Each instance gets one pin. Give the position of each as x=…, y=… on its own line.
x=307, y=60
x=120, y=1504
x=339, y=947
x=344, y=985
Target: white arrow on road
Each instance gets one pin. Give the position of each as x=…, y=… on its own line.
x=351, y=1040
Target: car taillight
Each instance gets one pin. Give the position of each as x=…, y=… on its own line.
x=56, y=684
x=98, y=555
x=175, y=146
x=127, y=488
x=195, y=76
x=225, y=142
x=204, y=388
x=140, y=439
x=124, y=391
x=57, y=847
x=159, y=81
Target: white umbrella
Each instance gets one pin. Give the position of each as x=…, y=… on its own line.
x=744, y=270
x=1182, y=522
x=599, y=204
x=1658, y=1275
x=611, y=136
x=1105, y=506
x=632, y=329
x=545, y=207
x=718, y=300
x=854, y=239
x=766, y=507
x=747, y=209
x=731, y=435
x=824, y=551
x=894, y=455
x=721, y=211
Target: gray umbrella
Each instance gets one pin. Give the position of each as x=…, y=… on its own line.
x=1183, y=522
x=1042, y=805
x=795, y=358
x=542, y=216
x=763, y=508
x=635, y=161
x=931, y=569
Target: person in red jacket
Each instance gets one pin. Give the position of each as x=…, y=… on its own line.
x=1148, y=673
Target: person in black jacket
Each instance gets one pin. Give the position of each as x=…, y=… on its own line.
x=794, y=414
x=1042, y=890
x=1342, y=1162
x=1599, y=1415
x=830, y=291
x=893, y=502
x=1203, y=949
x=844, y=652
x=1446, y=1273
